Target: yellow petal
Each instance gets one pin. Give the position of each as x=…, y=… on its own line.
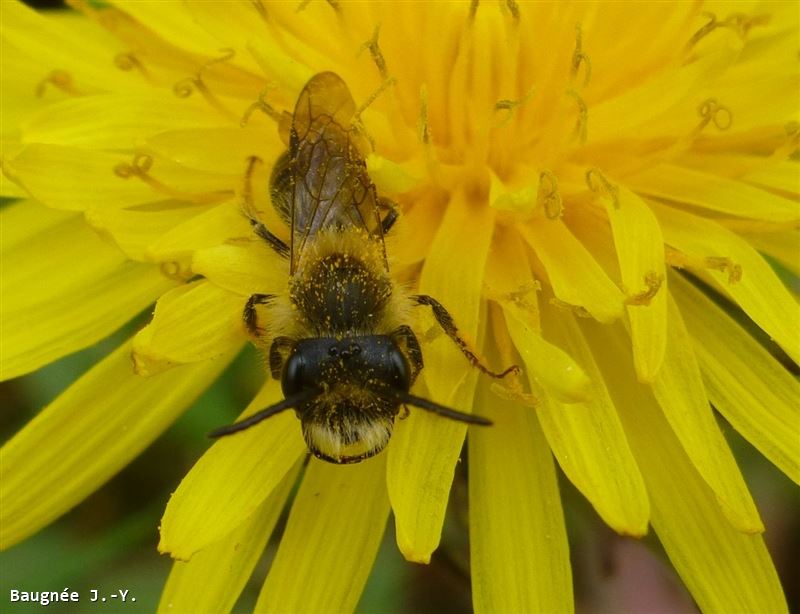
x=783, y=246
x=230, y=481
x=772, y=173
x=453, y=275
x=332, y=536
x=760, y=97
x=633, y=112
x=425, y=448
x=781, y=175
x=194, y=322
x=518, y=543
x=682, y=397
x=71, y=170
x=575, y=276
x=422, y=458
x=231, y=25
x=243, y=269
x=212, y=227
x=70, y=44
x=222, y=569
x=287, y=73
x=218, y=150
x=509, y=281
x=758, y=292
x=710, y=191
x=725, y=570
x=23, y=220
x=414, y=232
x=640, y=250
x=754, y=392
x=47, y=314
x=8, y=188
x=115, y=121
x=588, y=441
x=170, y=23
x=552, y=367
x=86, y=435
x=135, y=230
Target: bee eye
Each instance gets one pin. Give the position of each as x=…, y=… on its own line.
x=333, y=351
x=355, y=349
x=293, y=376
x=400, y=371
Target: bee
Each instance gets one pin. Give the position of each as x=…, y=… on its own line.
x=340, y=344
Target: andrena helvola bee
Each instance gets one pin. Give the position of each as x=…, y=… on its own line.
x=340, y=344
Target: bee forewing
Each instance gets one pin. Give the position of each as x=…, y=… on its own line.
x=325, y=94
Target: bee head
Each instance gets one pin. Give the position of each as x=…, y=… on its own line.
x=351, y=418
x=346, y=393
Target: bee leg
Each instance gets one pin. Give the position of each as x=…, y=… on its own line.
x=274, y=242
x=250, y=211
x=445, y=320
x=250, y=316
x=280, y=348
x=407, y=341
x=391, y=213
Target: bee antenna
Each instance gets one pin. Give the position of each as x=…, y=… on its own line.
x=288, y=403
x=409, y=399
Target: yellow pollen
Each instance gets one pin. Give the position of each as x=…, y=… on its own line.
x=509, y=106
x=513, y=8
x=738, y=22
x=512, y=391
x=704, y=31
x=549, y=196
x=184, y=87
x=724, y=264
x=583, y=116
x=390, y=81
x=711, y=111
x=424, y=129
x=375, y=52
x=128, y=62
x=261, y=105
x=653, y=282
x=579, y=58
x=577, y=310
x=175, y=270
x=511, y=388
x=141, y=164
x=61, y=79
x=473, y=9
x=599, y=184
x=520, y=297
x=261, y=9
x=790, y=148
x=743, y=23
x=140, y=168
x=679, y=260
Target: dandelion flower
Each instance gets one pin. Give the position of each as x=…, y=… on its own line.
x=577, y=182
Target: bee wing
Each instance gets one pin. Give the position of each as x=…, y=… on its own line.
x=331, y=186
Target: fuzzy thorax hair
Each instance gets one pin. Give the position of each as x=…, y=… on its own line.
x=341, y=287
